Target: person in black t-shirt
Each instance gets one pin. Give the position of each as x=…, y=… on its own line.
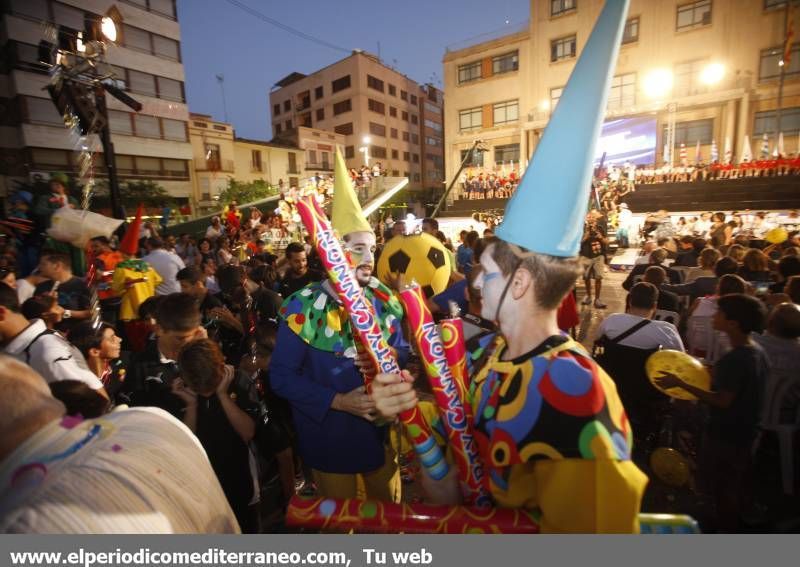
x=297, y=274
x=592, y=254
x=223, y=418
x=72, y=292
x=735, y=399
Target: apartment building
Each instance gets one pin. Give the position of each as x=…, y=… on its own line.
x=706, y=71
x=380, y=112
x=218, y=156
x=150, y=145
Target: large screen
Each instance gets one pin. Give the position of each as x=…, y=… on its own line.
x=631, y=140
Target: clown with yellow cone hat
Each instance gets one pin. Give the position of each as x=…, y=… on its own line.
x=552, y=432
x=317, y=368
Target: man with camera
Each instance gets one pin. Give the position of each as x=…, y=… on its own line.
x=592, y=253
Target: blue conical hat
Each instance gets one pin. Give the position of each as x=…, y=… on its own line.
x=546, y=213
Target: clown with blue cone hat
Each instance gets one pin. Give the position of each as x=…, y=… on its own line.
x=317, y=368
x=550, y=427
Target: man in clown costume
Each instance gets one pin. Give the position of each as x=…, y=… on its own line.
x=551, y=430
x=317, y=368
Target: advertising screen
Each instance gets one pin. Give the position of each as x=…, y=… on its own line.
x=631, y=140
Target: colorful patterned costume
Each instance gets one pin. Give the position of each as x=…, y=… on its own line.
x=135, y=295
x=555, y=438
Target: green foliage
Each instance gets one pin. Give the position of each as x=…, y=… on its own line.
x=131, y=193
x=243, y=192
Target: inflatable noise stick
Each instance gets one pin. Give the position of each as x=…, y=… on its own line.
x=366, y=328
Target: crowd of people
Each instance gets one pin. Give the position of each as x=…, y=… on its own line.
x=483, y=183
x=715, y=288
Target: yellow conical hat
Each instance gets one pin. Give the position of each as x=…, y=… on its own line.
x=346, y=216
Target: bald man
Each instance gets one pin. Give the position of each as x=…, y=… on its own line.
x=125, y=472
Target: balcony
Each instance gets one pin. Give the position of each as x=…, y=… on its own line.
x=222, y=165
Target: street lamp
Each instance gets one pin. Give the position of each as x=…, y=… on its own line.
x=365, y=148
x=712, y=73
x=657, y=83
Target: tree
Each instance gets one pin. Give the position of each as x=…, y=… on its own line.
x=147, y=192
x=243, y=192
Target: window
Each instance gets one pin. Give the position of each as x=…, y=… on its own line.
x=276, y=109
x=631, y=32
x=136, y=38
x=174, y=130
x=320, y=114
x=563, y=48
x=340, y=84
x=405, y=136
x=378, y=152
x=393, y=111
x=125, y=164
x=42, y=110
x=255, y=160
x=197, y=124
x=393, y=133
x=469, y=72
x=326, y=160
x=505, y=63
x=414, y=119
x=415, y=158
x=45, y=157
x=395, y=154
x=769, y=67
x=163, y=7
x=404, y=115
x=33, y=8
x=146, y=126
x=318, y=93
x=141, y=83
x=414, y=99
x=416, y=178
x=287, y=105
x=476, y=158
x=346, y=129
x=312, y=157
x=166, y=47
x=376, y=106
x=292, y=167
x=558, y=7
x=342, y=106
x=374, y=83
x=470, y=119
x=415, y=139
x=623, y=91
x=555, y=95
x=220, y=128
x=395, y=173
x=403, y=95
x=769, y=4
x=349, y=152
x=690, y=132
x=288, y=124
x=505, y=112
x=278, y=129
x=432, y=109
x=392, y=90
x=435, y=126
x=68, y=16
x=377, y=129
x=431, y=141
x=693, y=15
x=120, y=122
x=687, y=78
x=507, y=153
x=765, y=122
x=175, y=167
x=170, y=89
x=150, y=165
x=407, y=156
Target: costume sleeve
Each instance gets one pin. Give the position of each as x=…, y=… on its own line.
x=588, y=496
x=155, y=277
x=290, y=376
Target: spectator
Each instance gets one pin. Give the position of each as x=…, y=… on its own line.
x=465, y=255
x=167, y=264
x=44, y=350
x=780, y=343
x=105, y=262
x=430, y=226
x=102, y=349
x=736, y=251
x=44, y=307
x=788, y=266
x=297, y=275
x=215, y=229
x=72, y=292
x=222, y=417
x=657, y=258
x=792, y=289
x=706, y=261
x=667, y=300
x=642, y=302
x=107, y=485
x=755, y=266
x=705, y=285
x=735, y=399
x=691, y=248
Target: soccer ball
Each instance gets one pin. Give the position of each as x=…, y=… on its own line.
x=421, y=258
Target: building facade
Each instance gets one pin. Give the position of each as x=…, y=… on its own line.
x=707, y=71
x=218, y=156
x=380, y=112
x=150, y=145
x=318, y=147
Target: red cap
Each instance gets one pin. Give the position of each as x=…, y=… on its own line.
x=130, y=242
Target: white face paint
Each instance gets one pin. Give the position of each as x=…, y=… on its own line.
x=361, y=246
x=490, y=282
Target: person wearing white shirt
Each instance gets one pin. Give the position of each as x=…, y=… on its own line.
x=642, y=301
x=167, y=264
x=47, y=352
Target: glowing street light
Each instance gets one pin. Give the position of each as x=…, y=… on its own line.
x=712, y=73
x=544, y=106
x=367, y=140
x=108, y=27
x=657, y=83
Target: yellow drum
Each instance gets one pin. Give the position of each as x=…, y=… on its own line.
x=682, y=365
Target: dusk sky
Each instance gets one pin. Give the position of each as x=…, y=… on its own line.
x=220, y=38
